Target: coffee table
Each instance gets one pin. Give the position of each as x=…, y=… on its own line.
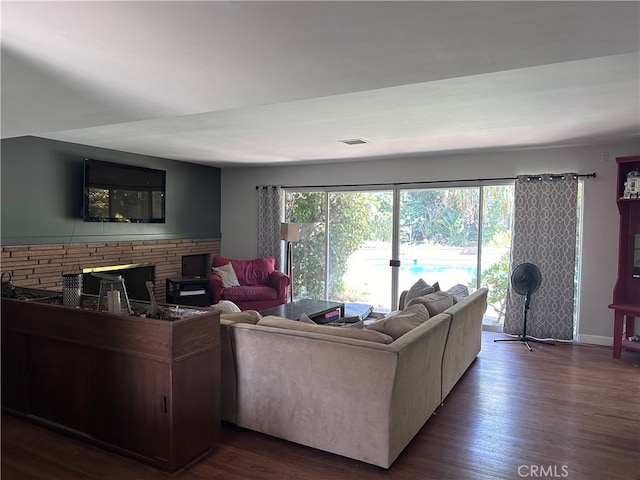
x=313, y=308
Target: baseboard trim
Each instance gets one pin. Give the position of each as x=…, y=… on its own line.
x=595, y=340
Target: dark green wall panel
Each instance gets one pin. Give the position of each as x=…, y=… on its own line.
x=42, y=195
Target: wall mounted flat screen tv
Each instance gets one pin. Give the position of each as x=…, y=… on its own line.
x=114, y=192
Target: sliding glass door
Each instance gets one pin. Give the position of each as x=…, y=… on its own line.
x=439, y=236
x=458, y=235
x=345, y=245
x=309, y=265
x=360, y=248
x=495, y=246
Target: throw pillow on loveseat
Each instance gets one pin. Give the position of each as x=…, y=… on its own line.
x=421, y=288
x=401, y=323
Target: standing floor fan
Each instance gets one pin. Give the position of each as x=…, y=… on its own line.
x=525, y=280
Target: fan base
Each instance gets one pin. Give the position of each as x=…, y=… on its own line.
x=525, y=339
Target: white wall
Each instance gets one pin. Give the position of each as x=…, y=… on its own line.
x=600, y=228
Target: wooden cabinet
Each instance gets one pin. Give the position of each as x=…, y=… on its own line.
x=59, y=382
x=144, y=387
x=626, y=292
x=15, y=372
x=133, y=414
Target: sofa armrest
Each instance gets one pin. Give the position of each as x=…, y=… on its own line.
x=216, y=287
x=279, y=281
x=330, y=407
x=418, y=384
x=227, y=372
x=367, y=403
x=465, y=337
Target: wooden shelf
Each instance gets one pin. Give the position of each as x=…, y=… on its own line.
x=631, y=308
x=629, y=345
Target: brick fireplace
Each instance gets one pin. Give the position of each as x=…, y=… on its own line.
x=42, y=266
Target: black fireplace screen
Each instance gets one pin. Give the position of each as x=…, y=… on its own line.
x=134, y=277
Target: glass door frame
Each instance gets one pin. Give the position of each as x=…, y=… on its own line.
x=394, y=261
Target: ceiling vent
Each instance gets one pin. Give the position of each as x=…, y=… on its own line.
x=353, y=141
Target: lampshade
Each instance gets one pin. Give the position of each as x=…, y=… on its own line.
x=289, y=232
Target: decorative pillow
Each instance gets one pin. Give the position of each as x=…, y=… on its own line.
x=304, y=318
x=418, y=289
x=458, y=292
x=353, y=333
x=225, y=306
x=435, y=303
x=403, y=322
x=227, y=274
x=246, y=316
x=436, y=287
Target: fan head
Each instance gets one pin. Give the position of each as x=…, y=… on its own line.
x=526, y=278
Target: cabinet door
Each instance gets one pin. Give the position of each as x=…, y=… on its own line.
x=59, y=382
x=15, y=391
x=196, y=405
x=130, y=404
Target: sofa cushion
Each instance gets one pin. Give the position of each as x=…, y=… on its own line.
x=436, y=302
x=401, y=323
x=257, y=271
x=418, y=289
x=354, y=333
x=458, y=292
x=249, y=272
x=247, y=316
x=227, y=274
x=249, y=293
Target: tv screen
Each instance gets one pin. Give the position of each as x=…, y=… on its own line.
x=115, y=192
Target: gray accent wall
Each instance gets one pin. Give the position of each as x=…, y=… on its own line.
x=42, y=190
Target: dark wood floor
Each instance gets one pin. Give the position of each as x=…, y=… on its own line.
x=569, y=411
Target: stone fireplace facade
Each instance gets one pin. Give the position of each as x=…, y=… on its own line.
x=42, y=266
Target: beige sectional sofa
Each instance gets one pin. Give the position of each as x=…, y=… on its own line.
x=361, y=398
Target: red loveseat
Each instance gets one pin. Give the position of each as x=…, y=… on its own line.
x=261, y=285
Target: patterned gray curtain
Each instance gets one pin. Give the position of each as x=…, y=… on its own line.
x=544, y=233
x=270, y=215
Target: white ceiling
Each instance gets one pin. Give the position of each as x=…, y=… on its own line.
x=263, y=83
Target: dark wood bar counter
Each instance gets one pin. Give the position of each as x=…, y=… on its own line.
x=148, y=388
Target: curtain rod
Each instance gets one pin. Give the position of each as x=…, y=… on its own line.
x=397, y=184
